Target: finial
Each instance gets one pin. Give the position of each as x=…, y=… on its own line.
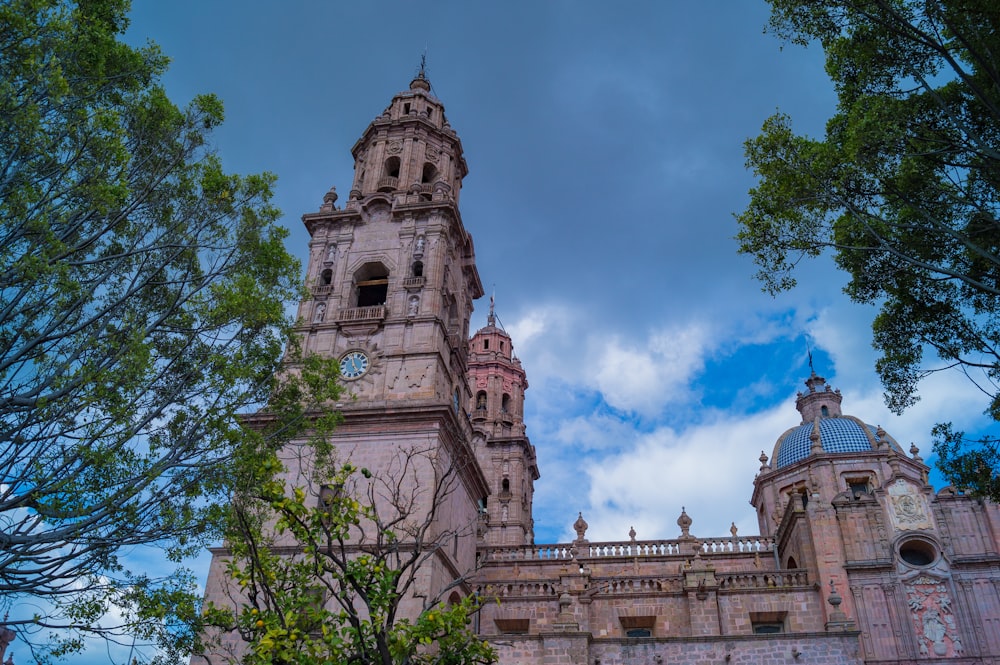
x=420, y=81
x=684, y=522
x=809, y=352
x=763, y=461
x=491, y=319
x=329, y=200
x=915, y=453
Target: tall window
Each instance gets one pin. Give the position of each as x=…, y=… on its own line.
x=429, y=174
x=372, y=282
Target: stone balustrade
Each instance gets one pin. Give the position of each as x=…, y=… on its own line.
x=737, y=545
x=636, y=585
x=630, y=549
x=517, y=590
x=763, y=580
x=361, y=313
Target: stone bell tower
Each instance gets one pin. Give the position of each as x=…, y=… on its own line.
x=391, y=280
x=498, y=382
x=393, y=273
x=392, y=277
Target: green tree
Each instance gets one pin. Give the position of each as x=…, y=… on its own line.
x=142, y=308
x=903, y=191
x=322, y=573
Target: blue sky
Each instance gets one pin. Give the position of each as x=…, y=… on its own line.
x=604, y=142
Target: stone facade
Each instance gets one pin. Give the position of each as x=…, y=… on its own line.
x=858, y=560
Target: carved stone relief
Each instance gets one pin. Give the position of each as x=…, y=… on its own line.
x=933, y=617
x=907, y=507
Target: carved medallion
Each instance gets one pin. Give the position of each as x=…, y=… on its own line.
x=394, y=147
x=908, y=507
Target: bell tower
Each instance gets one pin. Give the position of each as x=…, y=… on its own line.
x=497, y=382
x=392, y=278
x=393, y=275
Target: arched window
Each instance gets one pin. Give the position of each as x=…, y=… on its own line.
x=429, y=174
x=824, y=411
x=505, y=403
x=326, y=277
x=481, y=400
x=418, y=268
x=372, y=282
x=505, y=486
x=792, y=564
x=392, y=167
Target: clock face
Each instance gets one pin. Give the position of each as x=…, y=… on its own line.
x=353, y=365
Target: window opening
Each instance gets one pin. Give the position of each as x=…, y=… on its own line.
x=792, y=564
x=917, y=553
x=418, y=268
x=429, y=174
x=373, y=285
x=406, y=109
x=824, y=411
x=326, y=277
x=481, y=401
x=858, y=486
x=392, y=167
x=486, y=345
x=505, y=403
x=637, y=626
x=373, y=291
x=512, y=626
x=767, y=623
x=505, y=486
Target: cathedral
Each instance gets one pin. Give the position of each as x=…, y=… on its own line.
x=858, y=559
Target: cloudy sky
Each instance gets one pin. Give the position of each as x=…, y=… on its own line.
x=604, y=141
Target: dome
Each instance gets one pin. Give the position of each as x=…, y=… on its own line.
x=838, y=434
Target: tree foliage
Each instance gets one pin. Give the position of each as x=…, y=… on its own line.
x=142, y=307
x=321, y=573
x=903, y=190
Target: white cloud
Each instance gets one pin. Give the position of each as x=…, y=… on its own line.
x=639, y=374
x=707, y=468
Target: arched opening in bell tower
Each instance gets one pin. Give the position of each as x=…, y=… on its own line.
x=429, y=174
x=372, y=282
x=392, y=167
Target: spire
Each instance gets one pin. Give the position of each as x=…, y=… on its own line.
x=420, y=81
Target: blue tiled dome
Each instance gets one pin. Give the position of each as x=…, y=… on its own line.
x=840, y=434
